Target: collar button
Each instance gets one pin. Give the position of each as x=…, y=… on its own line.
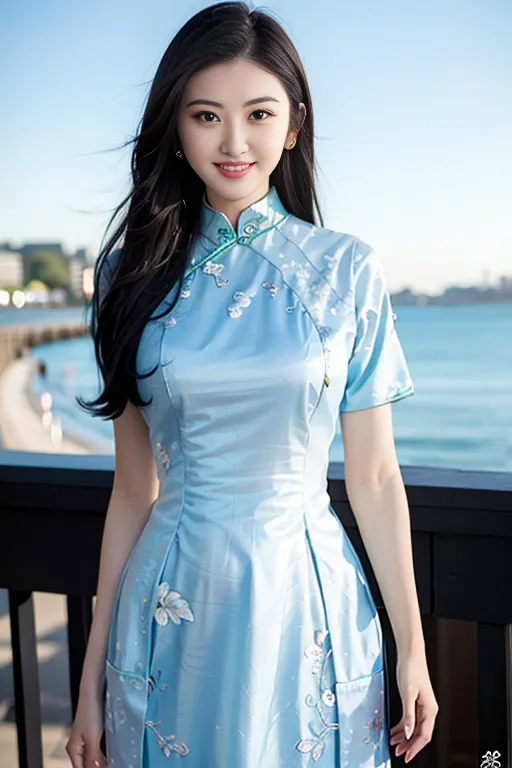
x=224, y=234
x=250, y=231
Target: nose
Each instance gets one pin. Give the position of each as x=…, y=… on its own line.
x=234, y=141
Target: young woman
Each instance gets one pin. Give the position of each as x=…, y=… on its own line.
x=234, y=626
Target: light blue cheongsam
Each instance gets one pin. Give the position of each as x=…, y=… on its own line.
x=244, y=634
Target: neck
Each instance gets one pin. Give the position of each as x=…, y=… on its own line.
x=233, y=208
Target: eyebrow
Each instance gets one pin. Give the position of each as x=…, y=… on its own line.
x=217, y=104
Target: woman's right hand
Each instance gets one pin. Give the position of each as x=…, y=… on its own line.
x=83, y=746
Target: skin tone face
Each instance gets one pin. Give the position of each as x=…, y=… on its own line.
x=233, y=131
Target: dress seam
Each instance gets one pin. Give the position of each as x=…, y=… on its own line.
x=165, y=557
x=307, y=536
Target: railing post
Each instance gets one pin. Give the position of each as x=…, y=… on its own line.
x=493, y=725
x=27, y=704
x=79, y=625
x=508, y=663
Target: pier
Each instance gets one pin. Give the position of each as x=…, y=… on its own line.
x=15, y=340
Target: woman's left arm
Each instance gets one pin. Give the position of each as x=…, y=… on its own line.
x=377, y=497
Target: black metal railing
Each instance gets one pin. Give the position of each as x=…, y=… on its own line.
x=52, y=511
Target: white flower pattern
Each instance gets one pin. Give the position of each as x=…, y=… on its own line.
x=242, y=300
x=164, y=456
x=171, y=605
x=167, y=743
x=374, y=729
x=214, y=268
x=272, y=289
x=314, y=747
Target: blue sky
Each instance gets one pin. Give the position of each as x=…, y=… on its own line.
x=413, y=119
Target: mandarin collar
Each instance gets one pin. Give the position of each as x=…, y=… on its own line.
x=266, y=212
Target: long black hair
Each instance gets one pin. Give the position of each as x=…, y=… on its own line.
x=163, y=205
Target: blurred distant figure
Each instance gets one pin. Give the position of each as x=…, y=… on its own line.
x=68, y=373
x=48, y=419
x=56, y=431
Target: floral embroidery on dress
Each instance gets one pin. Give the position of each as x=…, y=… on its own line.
x=214, y=268
x=115, y=716
x=144, y=602
x=325, y=697
x=166, y=743
x=164, y=456
x=272, y=289
x=118, y=656
x=185, y=293
x=331, y=261
x=374, y=728
x=315, y=297
x=242, y=300
x=303, y=276
x=171, y=605
x=109, y=723
x=316, y=294
x=154, y=683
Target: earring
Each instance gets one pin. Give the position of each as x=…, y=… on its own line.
x=179, y=153
x=292, y=144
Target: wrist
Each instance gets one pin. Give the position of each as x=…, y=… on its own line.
x=412, y=647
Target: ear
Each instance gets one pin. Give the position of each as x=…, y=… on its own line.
x=292, y=135
x=302, y=108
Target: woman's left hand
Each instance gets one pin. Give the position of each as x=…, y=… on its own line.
x=419, y=704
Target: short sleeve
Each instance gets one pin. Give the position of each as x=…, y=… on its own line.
x=106, y=272
x=377, y=370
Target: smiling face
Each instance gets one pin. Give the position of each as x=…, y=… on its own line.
x=232, y=131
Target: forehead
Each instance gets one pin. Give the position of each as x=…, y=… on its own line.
x=232, y=83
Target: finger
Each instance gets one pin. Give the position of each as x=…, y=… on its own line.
x=419, y=743
x=101, y=763
x=422, y=736
x=397, y=737
x=405, y=745
x=95, y=757
x=409, y=712
x=75, y=750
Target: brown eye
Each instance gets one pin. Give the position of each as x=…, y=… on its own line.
x=263, y=112
x=199, y=114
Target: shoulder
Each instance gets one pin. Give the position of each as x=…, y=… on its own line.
x=307, y=235
x=341, y=257
x=341, y=245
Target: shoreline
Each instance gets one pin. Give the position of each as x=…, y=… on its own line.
x=21, y=428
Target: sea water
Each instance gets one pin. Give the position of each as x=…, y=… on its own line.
x=460, y=359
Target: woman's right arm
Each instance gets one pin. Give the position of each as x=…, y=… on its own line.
x=134, y=492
